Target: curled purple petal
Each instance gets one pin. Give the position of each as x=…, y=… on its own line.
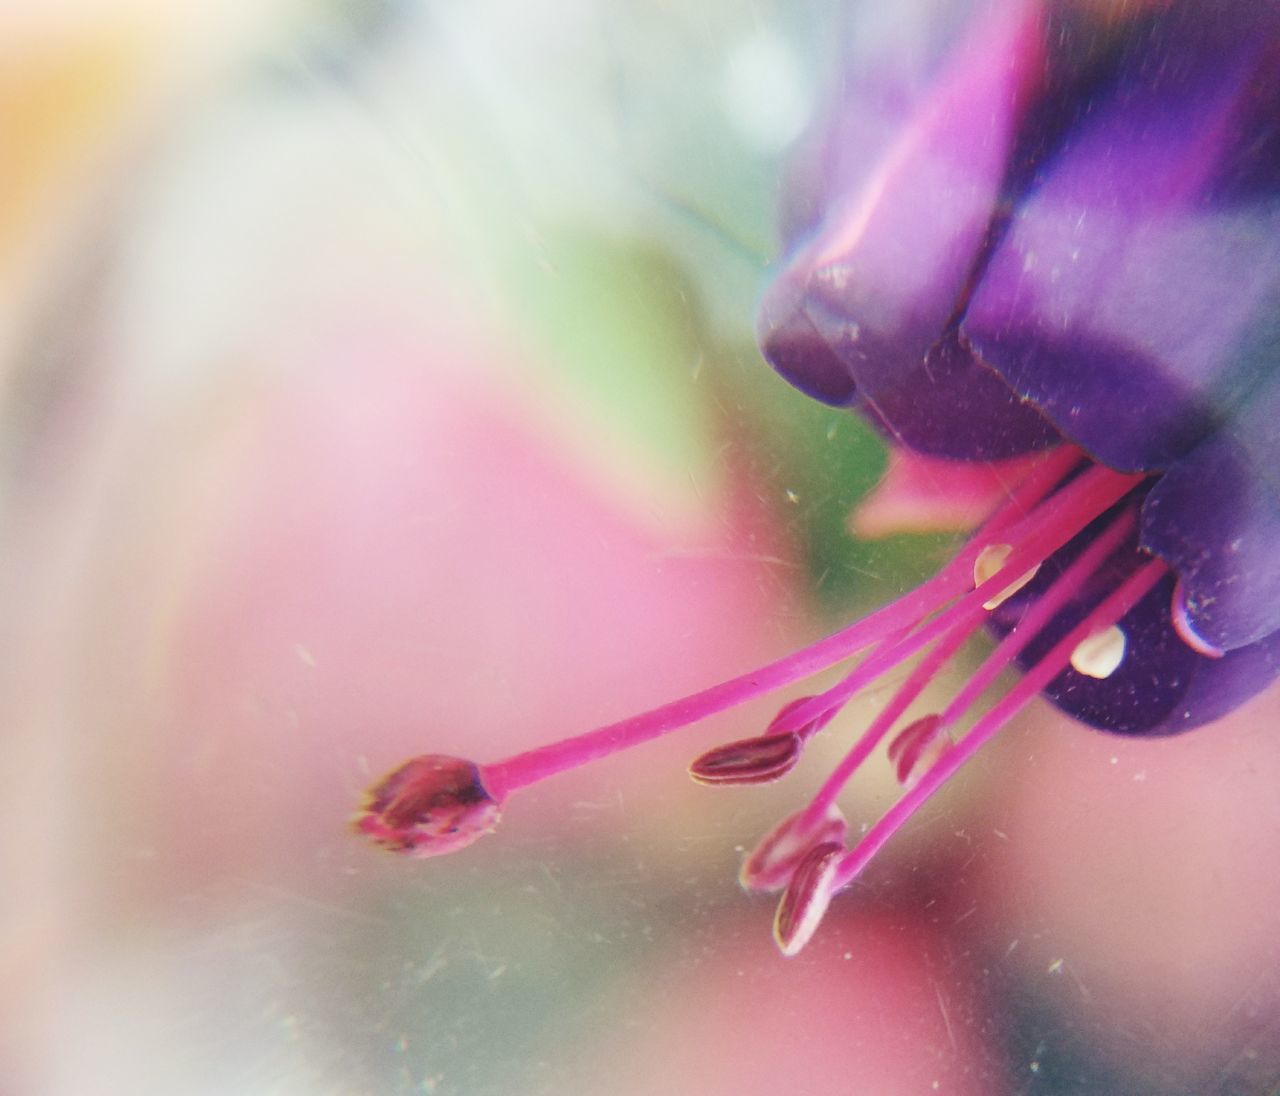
x=862, y=312
x=1162, y=686
x=1215, y=517
x=1131, y=297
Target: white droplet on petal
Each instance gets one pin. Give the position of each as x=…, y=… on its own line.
x=1100, y=654
x=988, y=564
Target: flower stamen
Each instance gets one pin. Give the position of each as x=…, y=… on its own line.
x=964, y=620
x=1110, y=610
x=960, y=619
x=1054, y=522
x=433, y=804
x=931, y=730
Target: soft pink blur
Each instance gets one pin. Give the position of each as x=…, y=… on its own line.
x=1134, y=885
x=876, y=1004
x=921, y=494
x=388, y=557
x=365, y=550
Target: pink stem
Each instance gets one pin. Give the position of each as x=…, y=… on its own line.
x=1041, y=612
x=959, y=631
x=1110, y=610
x=1046, y=537
x=1054, y=523
x=1022, y=497
x=504, y=777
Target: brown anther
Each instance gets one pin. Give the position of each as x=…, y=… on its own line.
x=749, y=761
x=916, y=743
x=807, y=897
x=774, y=860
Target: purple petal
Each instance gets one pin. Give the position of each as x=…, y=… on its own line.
x=1215, y=518
x=1129, y=279
x=1162, y=686
x=863, y=310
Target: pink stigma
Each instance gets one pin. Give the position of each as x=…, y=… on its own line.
x=429, y=806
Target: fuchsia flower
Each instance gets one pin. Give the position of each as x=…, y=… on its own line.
x=1063, y=240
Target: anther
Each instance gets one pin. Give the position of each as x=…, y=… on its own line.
x=749, y=761
x=807, y=897
x=916, y=747
x=774, y=861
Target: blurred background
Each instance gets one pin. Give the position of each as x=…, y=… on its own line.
x=378, y=377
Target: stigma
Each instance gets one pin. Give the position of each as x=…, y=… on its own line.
x=1054, y=569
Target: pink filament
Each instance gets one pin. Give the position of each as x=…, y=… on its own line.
x=1041, y=612
x=1110, y=610
x=955, y=625
x=1043, y=529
